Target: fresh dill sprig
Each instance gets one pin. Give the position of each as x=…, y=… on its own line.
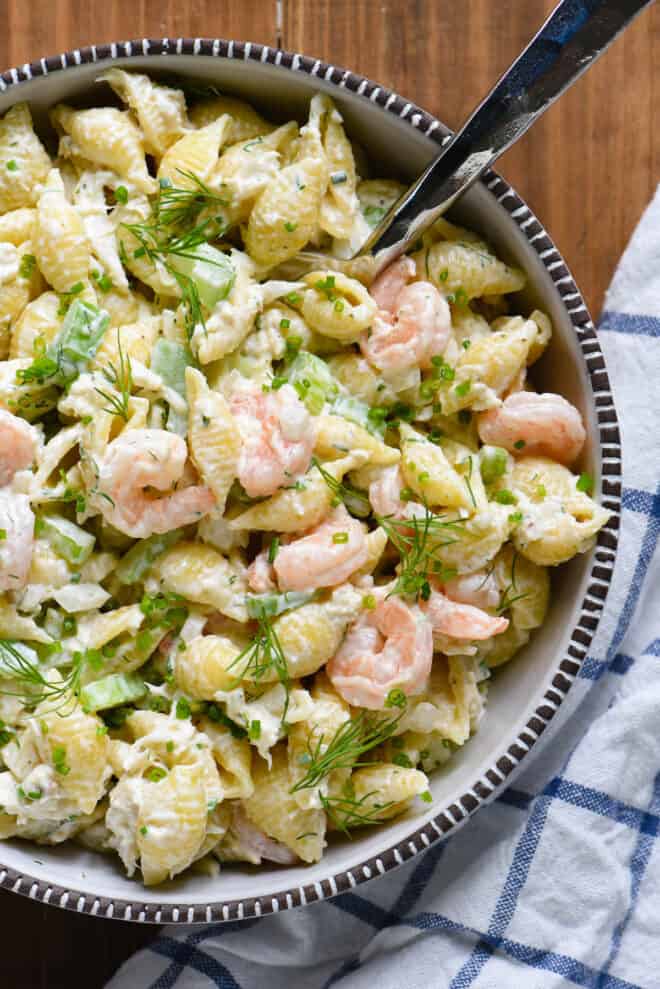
x=346, y=812
x=467, y=472
x=351, y=740
x=509, y=596
x=356, y=501
x=37, y=688
x=180, y=208
x=121, y=379
x=263, y=655
x=419, y=540
x=173, y=230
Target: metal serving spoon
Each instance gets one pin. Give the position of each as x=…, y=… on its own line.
x=572, y=38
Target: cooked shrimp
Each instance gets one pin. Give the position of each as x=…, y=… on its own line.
x=385, y=493
x=325, y=557
x=480, y=589
x=461, y=621
x=148, y=458
x=18, y=445
x=17, y=524
x=255, y=844
x=412, y=324
x=386, y=288
x=260, y=574
x=533, y=425
x=278, y=438
x=389, y=647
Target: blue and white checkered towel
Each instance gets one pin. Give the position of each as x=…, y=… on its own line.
x=556, y=883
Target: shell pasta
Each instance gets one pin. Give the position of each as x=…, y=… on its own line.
x=268, y=524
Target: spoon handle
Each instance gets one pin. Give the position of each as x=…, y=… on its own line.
x=572, y=38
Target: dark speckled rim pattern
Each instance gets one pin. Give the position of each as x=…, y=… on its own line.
x=495, y=778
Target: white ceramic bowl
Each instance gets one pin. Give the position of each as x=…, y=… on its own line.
x=526, y=694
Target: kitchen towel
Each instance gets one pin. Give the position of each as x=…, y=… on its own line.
x=557, y=882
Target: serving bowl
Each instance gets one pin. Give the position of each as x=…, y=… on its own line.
x=526, y=694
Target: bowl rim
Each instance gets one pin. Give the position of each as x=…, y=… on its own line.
x=566, y=668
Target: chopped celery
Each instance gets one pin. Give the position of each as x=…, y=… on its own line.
x=259, y=605
x=134, y=565
x=357, y=411
x=67, y=539
x=170, y=360
x=210, y=270
x=313, y=380
x=79, y=339
x=493, y=462
x=112, y=691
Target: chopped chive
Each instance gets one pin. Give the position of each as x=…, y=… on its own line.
x=254, y=731
x=462, y=389
x=290, y=227
x=519, y=444
x=182, y=709
x=28, y=264
x=340, y=537
x=12, y=166
x=505, y=497
x=121, y=194
x=401, y=759
x=585, y=482
x=395, y=698
x=369, y=602
x=273, y=549
x=426, y=797
x=156, y=774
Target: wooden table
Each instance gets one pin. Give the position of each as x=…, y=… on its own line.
x=587, y=170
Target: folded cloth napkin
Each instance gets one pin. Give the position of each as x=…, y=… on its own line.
x=557, y=882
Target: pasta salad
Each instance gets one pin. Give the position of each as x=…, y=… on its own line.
x=267, y=524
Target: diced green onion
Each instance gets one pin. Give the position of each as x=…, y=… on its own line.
x=182, y=710
x=585, y=482
x=505, y=497
x=121, y=194
x=112, y=691
x=426, y=797
x=401, y=759
x=69, y=625
x=273, y=549
x=395, y=698
x=340, y=537
x=520, y=444
x=492, y=463
x=254, y=731
x=156, y=774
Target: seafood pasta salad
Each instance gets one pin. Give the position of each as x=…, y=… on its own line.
x=267, y=525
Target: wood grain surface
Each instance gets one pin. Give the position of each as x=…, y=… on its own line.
x=587, y=170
